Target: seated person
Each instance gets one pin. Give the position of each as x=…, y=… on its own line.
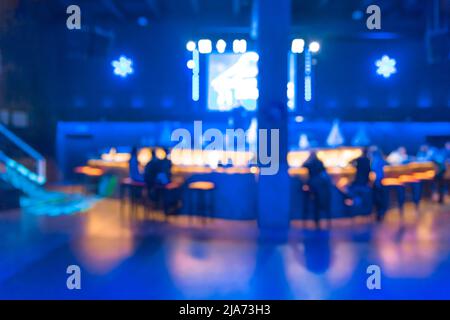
x=157, y=174
x=165, y=170
x=398, y=156
x=424, y=154
x=150, y=173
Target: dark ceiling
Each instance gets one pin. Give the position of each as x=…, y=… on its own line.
x=342, y=17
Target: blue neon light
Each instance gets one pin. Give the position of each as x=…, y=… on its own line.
x=308, y=80
x=196, y=76
x=386, y=66
x=123, y=67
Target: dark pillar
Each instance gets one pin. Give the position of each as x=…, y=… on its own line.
x=273, y=23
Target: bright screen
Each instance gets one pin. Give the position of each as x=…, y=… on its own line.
x=232, y=81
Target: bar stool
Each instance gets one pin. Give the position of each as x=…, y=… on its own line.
x=90, y=177
x=133, y=191
x=394, y=185
x=203, y=192
x=426, y=181
x=171, y=197
x=415, y=187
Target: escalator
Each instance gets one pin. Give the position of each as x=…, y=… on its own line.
x=22, y=181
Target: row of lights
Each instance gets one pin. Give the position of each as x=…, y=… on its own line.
x=205, y=46
x=298, y=46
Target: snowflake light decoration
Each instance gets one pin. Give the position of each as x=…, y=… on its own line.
x=123, y=67
x=386, y=66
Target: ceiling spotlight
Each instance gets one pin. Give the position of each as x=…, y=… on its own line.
x=142, y=21
x=221, y=45
x=314, y=47
x=204, y=46
x=190, y=46
x=298, y=45
x=191, y=64
x=239, y=46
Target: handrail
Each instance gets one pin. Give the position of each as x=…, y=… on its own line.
x=40, y=160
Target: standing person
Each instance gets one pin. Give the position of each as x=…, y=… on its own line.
x=362, y=165
x=314, y=165
x=447, y=151
x=380, y=196
x=133, y=164
x=320, y=187
x=439, y=159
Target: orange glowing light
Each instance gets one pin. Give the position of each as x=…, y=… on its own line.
x=202, y=185
x=391, y=182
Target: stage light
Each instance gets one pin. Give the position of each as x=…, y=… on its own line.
x=190, y=64
x=308, y=80
x=190, y=46
x=239, y=46
x=424, y=101
x=303, y=142
x=142, y=21
x=233, y=82
x=221, y=45
x=252, y=56
x=357, y=15
x=308, y=94
x=243, y=46
x=290, y=90
x=204, y=46
x=299, y=119
x=314, y=47
x=386, y=66
x=292, y=72
x=196, y=76
x=298, y=45
x=236, y=46
x=123, y=67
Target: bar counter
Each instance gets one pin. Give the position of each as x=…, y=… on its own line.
x=235, y=193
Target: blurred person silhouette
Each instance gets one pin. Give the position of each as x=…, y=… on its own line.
x=380, y=195
x=133, y=164
x=398, y=156
x=319, y=187
x=447, y=151
x=316, y=254
x=150, y=174
x=425, y=153
x=164, y=171
x=440, y=162
x=314, y=166
x=359, y=191
x=362, y=165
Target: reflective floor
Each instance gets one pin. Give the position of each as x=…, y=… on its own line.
x=124, y=258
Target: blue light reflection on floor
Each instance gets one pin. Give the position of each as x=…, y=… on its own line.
x=143, y=260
